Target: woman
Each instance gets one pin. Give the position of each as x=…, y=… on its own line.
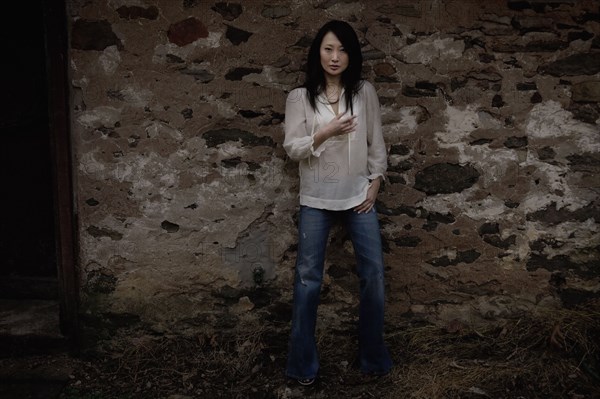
x=333, y=128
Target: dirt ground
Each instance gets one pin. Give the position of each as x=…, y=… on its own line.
x=556, y=355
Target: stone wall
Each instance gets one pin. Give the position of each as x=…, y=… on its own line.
x=187, y=202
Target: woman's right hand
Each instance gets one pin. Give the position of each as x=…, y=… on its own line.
x=340, y=125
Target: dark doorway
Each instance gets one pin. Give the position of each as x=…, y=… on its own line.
x=36, y=233
x=27, y=237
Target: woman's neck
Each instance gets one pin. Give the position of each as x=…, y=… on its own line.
x=333, y=82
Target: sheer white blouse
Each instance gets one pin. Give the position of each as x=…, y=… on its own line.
x=335, y=176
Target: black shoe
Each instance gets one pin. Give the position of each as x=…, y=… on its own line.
x=306, y=381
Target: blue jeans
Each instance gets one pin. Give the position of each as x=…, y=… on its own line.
x=313, y=231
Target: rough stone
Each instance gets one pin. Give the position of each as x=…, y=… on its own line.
x=497, y=241
x=553, y=215
x=92, y=202
x=407, y=241
x=536, y=98
x=533, y=46
x=229, y=11
x=399, y=149
x=489, y=228
x=586, y=112
x=584, y=162
x=169, y=227
x=237, y=36
x=407, y=10
x=93, y=35
x=581, y=35
x=468, y=256
x=516, y=142
x=240, y=72
x=384, y=69
x=588, y=91
x=445, y=178
x=137, y=12
x=565, y=264
x=546, y=153
x=497, y=101
x=275, y=12
x=216, y=137
x=526, y=86
x=572, y=65
x=420, y=89
x=186, y=31
x=199, y=74
x=526, y=23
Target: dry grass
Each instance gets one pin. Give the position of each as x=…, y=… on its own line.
x=550, y=354
x=547, y=355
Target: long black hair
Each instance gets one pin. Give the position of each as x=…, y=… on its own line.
x=351, y=77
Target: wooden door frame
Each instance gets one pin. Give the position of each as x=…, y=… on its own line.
x=57, y=64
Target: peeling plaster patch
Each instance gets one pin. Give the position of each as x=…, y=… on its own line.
x=110, y=59
x=564, y=232
x=488, y=121
x=103, y=254
x=103, y=116
x=494, y=163
x=162, y=50
x=148, y=175
x=536, y=201
x=405, y=120
x=80, y=83
x=160, y=129
x=137, y=97
x=89, y=165
x=432, y=48
x=486, y=209
x=461, y=122
x=550, y=120
x=169, y=179
x=122, y=170
x=271, y=174
x=231, y=149
x=271, y=77
x=225, y=109
x=555, y=181
x=195, y=146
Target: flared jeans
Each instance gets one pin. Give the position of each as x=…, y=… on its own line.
x=313, y=231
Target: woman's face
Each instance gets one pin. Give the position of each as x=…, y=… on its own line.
x=334, y=59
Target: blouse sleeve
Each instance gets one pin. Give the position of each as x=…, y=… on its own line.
x=377, y=153
x=298, y=142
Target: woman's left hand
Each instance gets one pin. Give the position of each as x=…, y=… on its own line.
x=369, y=202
